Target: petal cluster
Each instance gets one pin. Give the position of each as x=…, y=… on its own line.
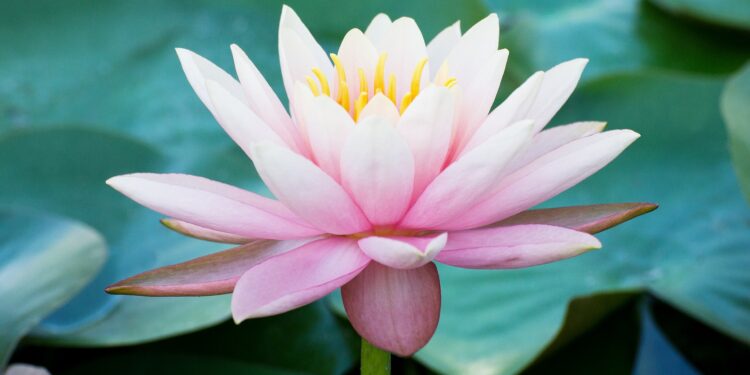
x=388, y=159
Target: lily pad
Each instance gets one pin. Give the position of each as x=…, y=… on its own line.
x=692, y=252
x=44, y=261
x=736, y=112
x=732, y=13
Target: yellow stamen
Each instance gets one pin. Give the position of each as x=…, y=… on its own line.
x=339, y=67
x=392, y=88
x=417, y=76
x=359, y=104
x=344, y=95
x=380, y=74
x=362, y=81
x=313, y=85
x=323, y=81
x=450, y=82
x=405, y=101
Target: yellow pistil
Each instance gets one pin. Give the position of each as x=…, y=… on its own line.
x=359, y=104
x=405, y=101
x=392, y=87
x=450, y=82
x=343, y=98
x=417, y=76
x=313, y=85
x=379, y=85
x=323, y=81
x=362, y=81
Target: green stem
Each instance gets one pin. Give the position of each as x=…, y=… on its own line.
x=374, y=361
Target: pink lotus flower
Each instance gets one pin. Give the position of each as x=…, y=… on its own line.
x=390, y=160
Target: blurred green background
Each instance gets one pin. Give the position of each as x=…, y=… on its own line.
x=92, y=89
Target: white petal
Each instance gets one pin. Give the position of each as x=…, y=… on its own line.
x=199, y=69
x=559, y=82
x=442, y=44
x=378, y=29
x=403, y=252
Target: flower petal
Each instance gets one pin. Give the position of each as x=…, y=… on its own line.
x=550, y=139
x=377, y=168
x=468, y=180
x=328, y=126
x=473, y=49
x=395, y=310
x=208, y=275
x=403, y=252
x=299, y=53
x=559, y=82
x=405, y=47
x=241, y=123
x=381, y=106
x=263, y=100
x=377, y=29
x=307, y=190
x=514, y=246
x=198, y=70
x=590, y=219
x=427, y=126
x=296, y=278
x=201, y=233
x=546, y=177
x=442, y=44
x=213, y=205
x=357, y=52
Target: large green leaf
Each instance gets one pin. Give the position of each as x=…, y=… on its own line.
x=736, y=112
x=44, y=261
x=617, y=36
x=692, y=252
x=734, y=13
x=63, y=171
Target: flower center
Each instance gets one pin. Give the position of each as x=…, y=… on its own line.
x=319, y=85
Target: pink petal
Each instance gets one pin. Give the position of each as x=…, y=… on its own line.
x=468, y=180
x=550, y=139
x=383, y=107
x=241, y=123
x=378, y=170
x=559, y=82
x=514, y=246
x=405, y=47
x=474, y=48
x=403, y=252
x=198, y=69
x=263, y=100
x=395, y=310
x=299, y=53
x=590, y=219
x=442, y=44
x=212, y=205
x=308, y=191
x=377, y=29
x=328, y=126
x=546, y=177
x=201, y=233
x=427, y=126
x=296, y=278
x=208, y=275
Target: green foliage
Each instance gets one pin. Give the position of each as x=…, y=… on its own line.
x=733, y=13
x=735, y=107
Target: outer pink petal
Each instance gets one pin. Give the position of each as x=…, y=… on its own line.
x=198, y=69
x=202, y=233
x=442, y=44
x=208, y=275
x=550, y=139
x=377, y=168
x=514, y=247
x=307, y=190
x=405, y=47
x=238, y=120
x=263, y=100
x=212, y=205
x=396, y=310
x=377, y=29
x=328, y=126
x=546, y=177
x=296, y=278
x=468, y=180
x=299, y=53
x=427, y=126
x=403, y=252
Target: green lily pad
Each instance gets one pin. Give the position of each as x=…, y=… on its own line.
x=617, y=36
x=692, y=252
x=732, y=13
x=736, y=112
x=44, y=261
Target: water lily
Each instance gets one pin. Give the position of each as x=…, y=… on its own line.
x=389, y=160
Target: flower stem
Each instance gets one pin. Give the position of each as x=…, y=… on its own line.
x=374, y=361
